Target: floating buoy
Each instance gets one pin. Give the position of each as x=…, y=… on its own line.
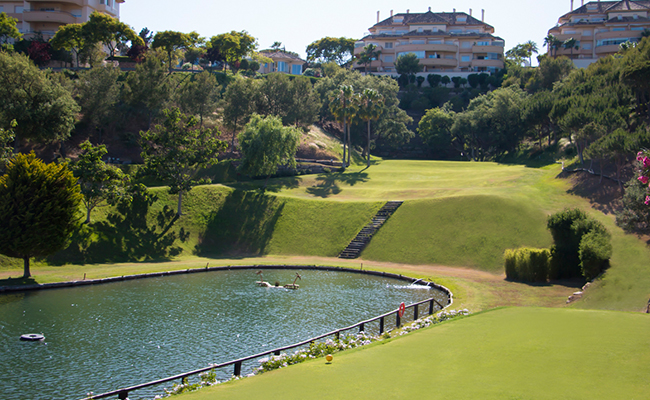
x=32, y=337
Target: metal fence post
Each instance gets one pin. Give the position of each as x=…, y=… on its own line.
x=123, y=395
x=361, y=328
x=415, y=312
x=431, y=307
x=238, y=368
x=381, y=325
x=398, y=320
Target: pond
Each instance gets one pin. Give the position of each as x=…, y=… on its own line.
x=103, y=337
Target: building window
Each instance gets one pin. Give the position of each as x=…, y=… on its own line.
x=282, y=66
x=618, y=29
x=19, y=9
x=482, y=43
x=464, y=58
x=587, y=46
x=76, y=13
x=359, y=44
x=418, y=54
x=435, y=41
x=638, y=28
x=388, y=59
x=417, y=41
x=467, y=45
x=388, y=45
x=296, y=69
x=461, y=19
x=611, y=42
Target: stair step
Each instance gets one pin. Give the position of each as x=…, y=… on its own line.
x=364, y=236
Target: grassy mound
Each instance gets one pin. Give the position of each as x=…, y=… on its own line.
x=471, y=231
x=512, y=353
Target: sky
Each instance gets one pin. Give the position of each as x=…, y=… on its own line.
x=298, y=23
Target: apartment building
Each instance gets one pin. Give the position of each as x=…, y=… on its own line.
x=286, y=62
x=443, y=42
x=46, y=16
x=599, y=28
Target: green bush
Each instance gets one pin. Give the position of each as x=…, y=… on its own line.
x=595, y=252
x=568, y=228
x=526, y=264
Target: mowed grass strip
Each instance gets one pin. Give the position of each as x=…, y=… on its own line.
x=470, y=231
x=512, y=353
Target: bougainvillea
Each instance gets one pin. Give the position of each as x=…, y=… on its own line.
x=643, y=157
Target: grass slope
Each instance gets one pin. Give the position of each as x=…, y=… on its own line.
x=470, y=231
x=512, y=353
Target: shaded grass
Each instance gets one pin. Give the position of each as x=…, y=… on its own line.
x=472, y=231
x=520, y=353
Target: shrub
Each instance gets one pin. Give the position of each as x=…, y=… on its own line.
x=569, y=228
x=434, y=80
x=420, y=80
x=529, y=265
x=595, y=252
x=635, y=215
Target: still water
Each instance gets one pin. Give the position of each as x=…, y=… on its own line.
x=104, y=337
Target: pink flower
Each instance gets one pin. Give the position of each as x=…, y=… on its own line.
x=639, y=156
x=647, y=200
x=646, y=162
x=643, y=179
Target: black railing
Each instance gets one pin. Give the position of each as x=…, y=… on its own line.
x=237, y=364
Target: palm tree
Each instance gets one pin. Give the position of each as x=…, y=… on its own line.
x=369, y=54
x=343, y=110
x=553, y=43
x=530, y=47
x=571, y=43
x=370, y=104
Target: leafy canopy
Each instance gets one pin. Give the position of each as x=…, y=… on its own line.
x=331, y=49
x=177, y=149
x=265, y=144
x=39, y=206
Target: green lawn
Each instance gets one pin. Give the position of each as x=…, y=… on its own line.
x=457, y=214
x=511, y=353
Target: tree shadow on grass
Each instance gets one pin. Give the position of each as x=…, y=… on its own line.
x=328, y=184
x=243, y=226
x=125, y=235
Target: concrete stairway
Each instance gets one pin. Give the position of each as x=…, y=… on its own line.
x=363, y=237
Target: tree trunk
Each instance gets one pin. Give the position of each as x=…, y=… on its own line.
x=349, y=145
x=344, y=143
x=368, y=148
x=26, y=273
x=180, y=200
x=87, y=215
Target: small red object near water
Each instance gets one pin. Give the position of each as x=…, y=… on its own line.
x=402, y=310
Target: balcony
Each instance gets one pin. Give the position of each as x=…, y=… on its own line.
x=439, y=62
x=609, y=49
x=487, y=63
x=59, y=17
x=427, y=47
x=487, y=49
x=618, y=34
x=75, y=2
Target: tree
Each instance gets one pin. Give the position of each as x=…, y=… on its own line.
x=43, y=109
x=343, y=109
x=517, y=54
x=6, y=151
x=39, y=206
x=408, y=64
x=98, y=109
x=369, y=104
x=240, y=99
x=369, y=54
x=570, y=43
x=200, y=95
x=8, y=28
x=69, y=37
x=98, y=181
x=176, y=150
x=305, y=102
x=147, y=90
x=435, y=128
x=170, y=42
x=331, y=49
x=104, y=29
x=531, y=47
x=552, y=43
x=232, y=47
x=265, y=144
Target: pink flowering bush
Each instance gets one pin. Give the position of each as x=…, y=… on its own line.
x=643, y=157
